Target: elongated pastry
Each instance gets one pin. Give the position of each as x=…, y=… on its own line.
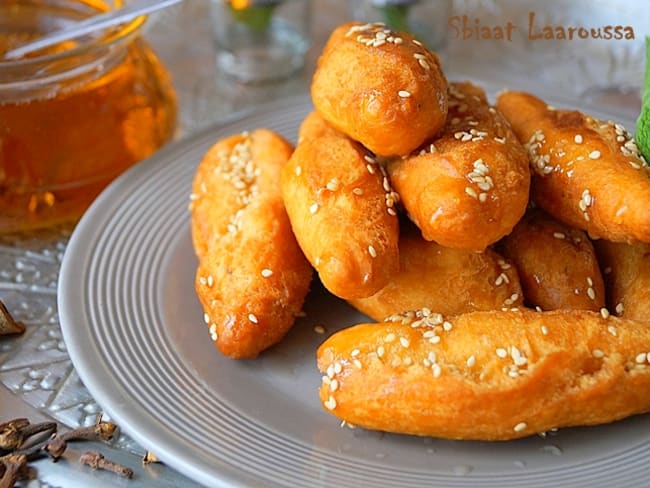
x=587, y=173
x=487, y=375
x=342, y=212
x=557, y=264
x=380, y=87
x=252, y=276
x=450, y=281
x=469, y=187
x=626, y=270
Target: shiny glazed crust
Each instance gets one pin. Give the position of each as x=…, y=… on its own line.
x=342, y=212
x=557, y=264
x=450, y=281
x=586, y=172
x=487, y=375
x=382, y=88
x=626, y=270
x=252, y=276
x=468, y=187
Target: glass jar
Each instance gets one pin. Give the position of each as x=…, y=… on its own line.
x=74, y=116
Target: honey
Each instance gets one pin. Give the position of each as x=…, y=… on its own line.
x=75, y=116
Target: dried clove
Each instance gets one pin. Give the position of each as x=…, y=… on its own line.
x=96, y=460
x=99, y=431
x=55, y=447
x=20, y=434
x=11, y=468
x=7, y=323
x=149, y=457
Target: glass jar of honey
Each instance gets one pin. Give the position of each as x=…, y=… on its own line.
x=74, y=116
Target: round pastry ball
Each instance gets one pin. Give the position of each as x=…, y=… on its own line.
x=381, y=87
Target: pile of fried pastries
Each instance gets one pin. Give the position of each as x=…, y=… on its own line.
x=502, y=250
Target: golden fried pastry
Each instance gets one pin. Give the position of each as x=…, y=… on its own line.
x=586, y=172
x=494, y=375
x=252, y=276
x=450, y=281
x=341, y=208
x=380, y=87
x=626, y=270
x=557, y=264
x=469, y=187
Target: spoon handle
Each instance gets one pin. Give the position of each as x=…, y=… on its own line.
x=94, y=23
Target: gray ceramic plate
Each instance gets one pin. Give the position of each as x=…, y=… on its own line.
x=134, y=330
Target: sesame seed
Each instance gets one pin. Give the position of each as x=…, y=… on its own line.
x=437, y=370
x=559, y=235
x=447, y=326
x=380, y=351
x=502, y=353
x=471, y=361
x=334, y=385
x=620, y=308
x=355, y=353
x=372, y=251
x=604, y=313
x=206, y=318
x=357, y=363
x=319, y=329
x=434, y=340
x=313, y=208
x=298, y=170
x=594, y=154
x=520, y=426
x=578, y=139
x=641, y=358
x=404, y=342
x=597, y=353
x=612, y=330
x=591, y=293
x=471, y=192
x=357, y=191
x=338, y=368
x=544, y=330
x=330, y=404
x=404, y=94
x=252, y=318
x=333, y=184
x=267, y=272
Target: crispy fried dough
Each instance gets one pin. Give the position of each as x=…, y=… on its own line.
x=586, y=172
x=557, y=264
x=342, y=212
x=252, y=276
x=468, y=187
x=450, y=281
x=487, y=375
x=380, y=87
x=626, y=270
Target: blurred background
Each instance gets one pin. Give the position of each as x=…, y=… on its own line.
x=607, y=72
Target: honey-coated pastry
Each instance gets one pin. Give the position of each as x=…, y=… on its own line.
x=252, y=276
x=450, y=281
x=342, y=212
x=380, y=87
x=586, y=172
x=494, y=375
x=557, y=264
x=469, y=187
x=626, y=270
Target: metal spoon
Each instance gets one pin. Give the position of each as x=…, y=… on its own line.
x=91, y=24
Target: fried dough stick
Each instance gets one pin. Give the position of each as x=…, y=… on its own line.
x=587, y=173
x=450, y=281
x=380, y=87
x=468, y=187
x=495, y=375
x=557, y=264
x=626, y=270
x=252, y=276
x=342, y=211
